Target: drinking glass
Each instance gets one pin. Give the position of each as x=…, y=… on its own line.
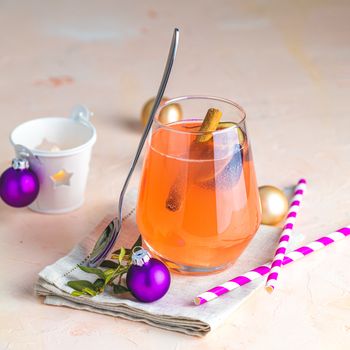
x=198, y=205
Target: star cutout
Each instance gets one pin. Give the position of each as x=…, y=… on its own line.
x=61, y=178
x=47, y=145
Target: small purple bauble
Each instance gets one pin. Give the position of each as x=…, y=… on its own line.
x=148, y=279
x=19, y=187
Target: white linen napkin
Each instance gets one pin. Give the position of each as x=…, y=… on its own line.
x=176, y=310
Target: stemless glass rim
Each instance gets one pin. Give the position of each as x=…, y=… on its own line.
x=200, y=97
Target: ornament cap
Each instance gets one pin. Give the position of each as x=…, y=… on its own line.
x=140, y=257
x=20, y=164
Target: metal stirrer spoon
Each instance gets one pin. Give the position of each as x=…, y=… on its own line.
x=107, y=239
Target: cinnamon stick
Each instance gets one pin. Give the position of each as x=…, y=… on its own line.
x=209, y=124
x=174, y=199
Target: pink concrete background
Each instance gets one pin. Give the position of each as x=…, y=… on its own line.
x=286, y=62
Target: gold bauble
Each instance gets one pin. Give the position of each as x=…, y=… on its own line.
x=274, y=205
x=147, y=108
x=169, y=114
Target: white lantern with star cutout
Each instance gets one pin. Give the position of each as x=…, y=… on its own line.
x=59, y=151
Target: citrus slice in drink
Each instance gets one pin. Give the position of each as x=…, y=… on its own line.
x=240, y=132
x=226, y=155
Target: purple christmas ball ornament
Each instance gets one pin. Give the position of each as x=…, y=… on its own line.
x=148, y=279
x=19, y=185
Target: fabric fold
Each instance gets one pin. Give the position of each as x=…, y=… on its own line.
x=176, y=310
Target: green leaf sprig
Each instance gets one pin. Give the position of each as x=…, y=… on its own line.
x=110, y=273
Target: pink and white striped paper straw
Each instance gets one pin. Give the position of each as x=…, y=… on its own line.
x=262, y=270
x=285, y=235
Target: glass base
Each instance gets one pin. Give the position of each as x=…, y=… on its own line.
x=185, y=269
